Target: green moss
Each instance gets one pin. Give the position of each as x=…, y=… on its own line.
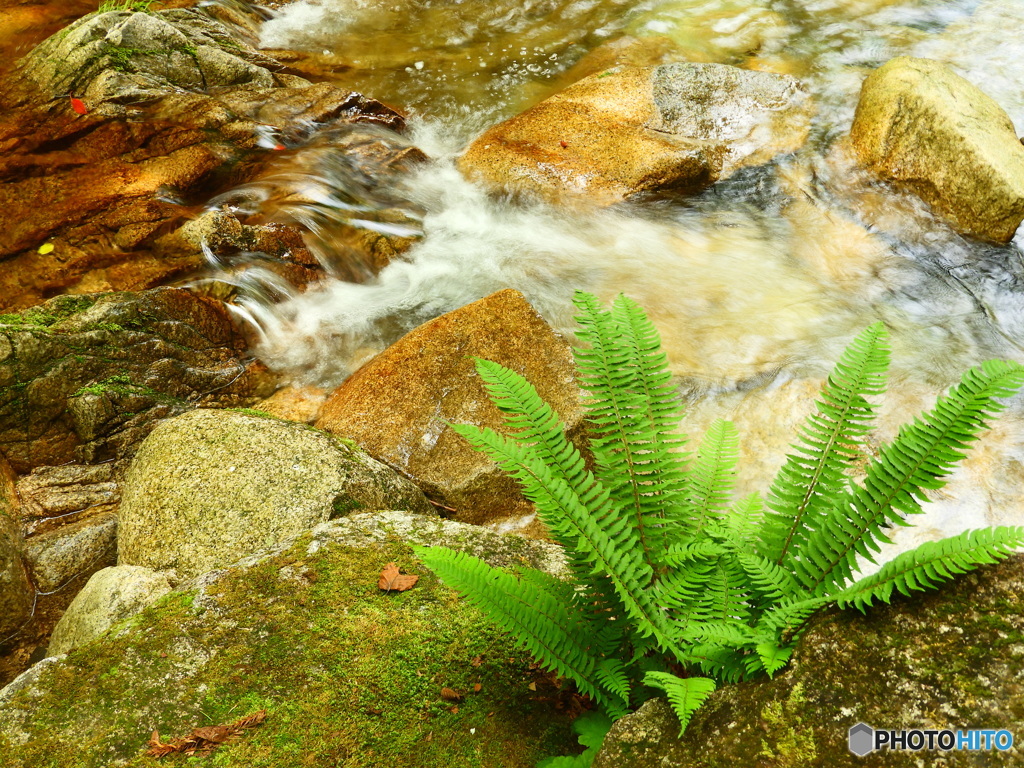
x=791, y=740
x=349, y=675
x=50, y=313
x=119, y=384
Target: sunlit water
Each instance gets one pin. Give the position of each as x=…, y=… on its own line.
x=756, y=285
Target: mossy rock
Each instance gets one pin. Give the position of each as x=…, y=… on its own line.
x=951, y=659
x=349, y=675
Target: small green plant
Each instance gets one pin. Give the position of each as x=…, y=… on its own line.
x=677, y=587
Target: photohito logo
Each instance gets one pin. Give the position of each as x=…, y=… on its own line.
x=863, y=740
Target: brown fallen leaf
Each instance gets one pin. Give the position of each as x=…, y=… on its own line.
x=392, y=581
x=477, y=687
x=205, y=739
x=477, y=661
x=449, y=694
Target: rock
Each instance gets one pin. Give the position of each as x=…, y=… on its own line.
x=101, y=213
x=210, y=487
x=920, y=124
x=81, y=548
x=16, y=591
x=344, y=671
x=112, y=594
x=399, y=405
x=948, y=659
x=302, y=404
x=634, y=130
x=86, y=377
x=55, y=496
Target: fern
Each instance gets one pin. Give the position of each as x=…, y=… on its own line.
x=671, y=575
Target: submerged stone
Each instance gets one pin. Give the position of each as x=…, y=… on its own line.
x=920, y=124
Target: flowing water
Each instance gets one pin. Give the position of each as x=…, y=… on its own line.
x=756, y=284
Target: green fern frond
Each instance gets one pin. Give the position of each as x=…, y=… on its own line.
x=743, y=521
x=788, y=615
x=685, y=694
x=773, y=657
x=771, y=581
x=553, y=631
x=613, y=675
x=813, y=478
x=926, y=566
x=702, y=549
x=607, y=542
x=919, y=459
x=631, y=410
x=712, y=478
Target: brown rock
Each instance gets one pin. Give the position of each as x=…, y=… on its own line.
x=634, y=130
x=16, y=592
x=55, y=496
x=924, y=126
x=91, y=202
x=85, y=378
x=302, y=404
x=399, y=406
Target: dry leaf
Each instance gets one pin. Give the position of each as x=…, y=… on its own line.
x=392, y=581
x=477, y=661
x=532, y=686
x=205, y=739
x=477, y=687
x=449, y=694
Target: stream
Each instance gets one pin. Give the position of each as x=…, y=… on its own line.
x=756, y=285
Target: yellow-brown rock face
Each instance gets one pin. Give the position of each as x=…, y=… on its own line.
x=400, y=405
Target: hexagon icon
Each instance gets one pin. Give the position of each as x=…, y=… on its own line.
x=862, y=739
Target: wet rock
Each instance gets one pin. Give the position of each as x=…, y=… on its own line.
x=55, y=496
x=302, y=404
x=111, y=595
x=84, y=378
x=399, y=406
x=95, y=199
x=920, y=124
x=628, y=131
x=343, y=670
x=210, y=487
x=15, y=590
x=950, y=659
x=57, y=557
x=122, y=56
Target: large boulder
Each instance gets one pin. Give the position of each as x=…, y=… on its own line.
x=922, y=125
x=400, y=406
x=347, y=674
x=951, y=659
x=210, y=487
x=633, y=130
x=111, y=595
x=16, y=592
x=84, y=378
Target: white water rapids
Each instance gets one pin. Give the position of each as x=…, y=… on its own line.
x=756, y=285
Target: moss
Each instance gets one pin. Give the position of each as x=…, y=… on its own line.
x=121, y=384
x=50, y=313
x=792, y=742
x=349, y=675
